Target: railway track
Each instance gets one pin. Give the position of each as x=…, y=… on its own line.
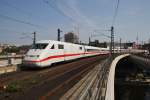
x=75, y=75
x=47, y=83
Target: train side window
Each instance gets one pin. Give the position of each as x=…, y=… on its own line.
x=60, y=46
x=53, y=47
x=80, y=48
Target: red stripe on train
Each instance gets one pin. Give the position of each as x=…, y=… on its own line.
x=65, y=55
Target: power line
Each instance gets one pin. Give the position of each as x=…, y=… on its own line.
x=24, y=35
x=22, y=11
x=51, y=4
x=19, y=21
x=14, y=7
x=12, y=31
x=116, y=12
x=112, y=44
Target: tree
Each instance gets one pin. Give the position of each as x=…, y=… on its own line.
x=13, y=49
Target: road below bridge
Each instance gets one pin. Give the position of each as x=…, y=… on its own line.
x=132, y=79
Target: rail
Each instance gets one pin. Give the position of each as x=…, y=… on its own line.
x=103, y=78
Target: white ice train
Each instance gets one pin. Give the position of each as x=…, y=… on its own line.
x=46, y=52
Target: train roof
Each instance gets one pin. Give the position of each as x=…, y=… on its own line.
x=53, y=41
x=47, y=41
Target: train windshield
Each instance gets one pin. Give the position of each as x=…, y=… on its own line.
x=39, y=46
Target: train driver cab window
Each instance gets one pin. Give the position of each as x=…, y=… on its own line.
x=60, y=46
x=53, y=47
x=39, y=46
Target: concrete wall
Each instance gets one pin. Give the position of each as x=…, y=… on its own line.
x=4, y=63
x=8, y=69
x=111, y=78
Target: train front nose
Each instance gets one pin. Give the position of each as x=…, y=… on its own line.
x=31, y=60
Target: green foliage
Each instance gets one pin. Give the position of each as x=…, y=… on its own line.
x=10, y=50
x=14, y=49
x=33, y=82
x=13, y=87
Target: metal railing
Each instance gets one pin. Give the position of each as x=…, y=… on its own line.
x=8, y=60
x=99, y=91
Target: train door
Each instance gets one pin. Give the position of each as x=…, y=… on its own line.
x=60, y=52
x=68, y=51
x=84, y=51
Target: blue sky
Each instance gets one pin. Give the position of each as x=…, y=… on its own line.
x=84, y=16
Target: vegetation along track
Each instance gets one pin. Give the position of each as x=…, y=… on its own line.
x=45, y=83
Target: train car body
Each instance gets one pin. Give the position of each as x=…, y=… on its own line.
x=46, y=52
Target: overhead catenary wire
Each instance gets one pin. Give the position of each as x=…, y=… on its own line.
x=10, y=30
x=16, y=8
x=28, y=14
x=19, y=21
x=116, y=12
x=52, y=4
x=24, y=34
